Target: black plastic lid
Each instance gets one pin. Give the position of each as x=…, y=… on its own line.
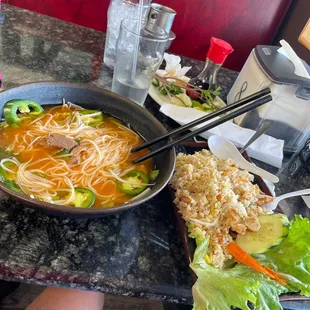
x=277, y=67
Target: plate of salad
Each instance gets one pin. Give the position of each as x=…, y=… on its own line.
x=244, y=255
x=170, y=89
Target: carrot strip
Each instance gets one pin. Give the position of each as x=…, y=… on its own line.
x=279, y=278
x=265, y=199
x=244, y=258
x=242, y=180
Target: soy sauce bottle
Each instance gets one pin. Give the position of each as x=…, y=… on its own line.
x=206, y=79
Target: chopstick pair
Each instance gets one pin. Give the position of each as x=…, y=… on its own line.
x=245, y=105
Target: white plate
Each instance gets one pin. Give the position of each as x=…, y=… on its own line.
x=162, y=99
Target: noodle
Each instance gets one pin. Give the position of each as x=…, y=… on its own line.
x=46, y=175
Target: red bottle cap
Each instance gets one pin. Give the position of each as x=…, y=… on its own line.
x=219, y=50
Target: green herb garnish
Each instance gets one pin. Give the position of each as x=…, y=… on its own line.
x=173, y=86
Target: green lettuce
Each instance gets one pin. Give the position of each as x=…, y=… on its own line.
x=240, y=285
x=292, y=257
x=234, y=287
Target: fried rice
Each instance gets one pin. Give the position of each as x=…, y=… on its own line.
x=216, y=198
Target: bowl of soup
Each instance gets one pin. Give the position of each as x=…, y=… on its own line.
x=65, y=149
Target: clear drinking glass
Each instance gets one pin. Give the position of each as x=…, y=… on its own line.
x=139, y=53
x=119, y=10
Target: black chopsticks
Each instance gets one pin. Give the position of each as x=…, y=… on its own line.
x=248, y=103
x=203, y=119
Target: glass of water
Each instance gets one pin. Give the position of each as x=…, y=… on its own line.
x=119, y=10
x=139, y=53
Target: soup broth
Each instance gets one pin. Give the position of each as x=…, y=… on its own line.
x=57, y=155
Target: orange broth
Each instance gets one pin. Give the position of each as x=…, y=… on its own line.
x=9, y=134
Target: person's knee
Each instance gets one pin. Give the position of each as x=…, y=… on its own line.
x=53, y=298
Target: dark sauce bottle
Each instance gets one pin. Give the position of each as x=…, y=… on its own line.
x=206, y=79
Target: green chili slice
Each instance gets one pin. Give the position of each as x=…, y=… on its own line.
x=13, y=109
x=84, y=198
x=91, y=120
x=137, y=183
x=6, y=175
x=154, y=174
x=13, y=186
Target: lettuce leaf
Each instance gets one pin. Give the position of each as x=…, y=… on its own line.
x=237, y=286
x=292, y=257
x=268, y=290
x=216, y=289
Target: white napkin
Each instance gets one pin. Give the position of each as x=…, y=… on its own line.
x=288, y=52
x=266, y=148
x=173, y=66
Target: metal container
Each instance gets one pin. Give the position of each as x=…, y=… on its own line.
x=162, y=17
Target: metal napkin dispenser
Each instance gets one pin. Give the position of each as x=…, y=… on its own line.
x=289, y=111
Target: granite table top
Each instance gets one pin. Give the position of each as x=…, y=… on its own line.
x=136, y=253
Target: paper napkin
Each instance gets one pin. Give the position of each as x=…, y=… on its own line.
x=173, y=67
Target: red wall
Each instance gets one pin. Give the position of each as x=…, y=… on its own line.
x=243, y=23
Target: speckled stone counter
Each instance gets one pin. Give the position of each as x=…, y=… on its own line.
x=136, y=253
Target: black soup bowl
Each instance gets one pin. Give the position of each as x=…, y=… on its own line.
x=89, y=97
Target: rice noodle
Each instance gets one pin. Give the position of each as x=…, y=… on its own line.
x=141, y=195
x=90, y=115
x=11, y=160
x=104, y=158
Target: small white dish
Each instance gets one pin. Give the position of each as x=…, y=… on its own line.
x=162, y=99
